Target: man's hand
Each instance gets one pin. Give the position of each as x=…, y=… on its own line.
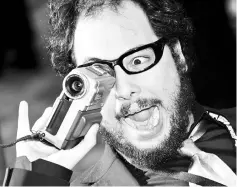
x=34, y=150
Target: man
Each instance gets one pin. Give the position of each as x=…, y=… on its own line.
x=150, y=119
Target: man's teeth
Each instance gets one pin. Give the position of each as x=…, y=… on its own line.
x=153, y=120
x=147, y=124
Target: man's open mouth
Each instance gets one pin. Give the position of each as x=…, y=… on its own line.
x=145, y=119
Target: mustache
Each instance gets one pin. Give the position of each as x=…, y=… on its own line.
x=142, y=104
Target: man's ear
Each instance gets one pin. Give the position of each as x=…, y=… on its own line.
x=179, y=52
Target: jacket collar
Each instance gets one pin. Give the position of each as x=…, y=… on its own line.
x=94, y=173
x=107, y=171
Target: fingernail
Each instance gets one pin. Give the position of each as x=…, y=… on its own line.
x=97, y=126
x=23, y=103
x=48, y=109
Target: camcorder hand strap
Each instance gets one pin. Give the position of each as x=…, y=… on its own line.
x=35, y=136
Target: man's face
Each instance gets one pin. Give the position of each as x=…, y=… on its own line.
x=145, y=114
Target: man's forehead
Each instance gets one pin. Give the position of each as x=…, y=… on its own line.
x=110, y=34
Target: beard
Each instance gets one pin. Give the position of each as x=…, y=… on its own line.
x=167, y=150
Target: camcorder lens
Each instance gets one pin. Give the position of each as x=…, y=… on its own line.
x=75, y=86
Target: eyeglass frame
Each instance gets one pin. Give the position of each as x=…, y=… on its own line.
x=157, y=46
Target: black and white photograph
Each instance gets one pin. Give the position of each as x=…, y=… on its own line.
x=118, y=93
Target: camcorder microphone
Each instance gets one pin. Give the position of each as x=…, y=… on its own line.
x=78, y=107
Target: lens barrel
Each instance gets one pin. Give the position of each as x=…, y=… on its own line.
x=75, y=86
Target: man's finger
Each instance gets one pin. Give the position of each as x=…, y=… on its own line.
x=69, y=158
x=41, y=122
x=90, y=137
x=23, y=120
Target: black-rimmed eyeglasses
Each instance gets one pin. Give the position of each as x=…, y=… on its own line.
x=136, y=60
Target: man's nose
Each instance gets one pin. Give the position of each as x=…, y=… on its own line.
x=126, y=86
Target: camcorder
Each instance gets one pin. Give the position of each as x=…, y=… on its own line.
x=78, y=106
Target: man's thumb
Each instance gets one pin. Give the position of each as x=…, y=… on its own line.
x=23, y=120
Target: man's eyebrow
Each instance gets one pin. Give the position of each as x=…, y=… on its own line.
x=92, y=60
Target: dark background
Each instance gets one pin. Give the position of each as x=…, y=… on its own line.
x=214, y=76
x=26, y=74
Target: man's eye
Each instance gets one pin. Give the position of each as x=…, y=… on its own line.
x=138, y=61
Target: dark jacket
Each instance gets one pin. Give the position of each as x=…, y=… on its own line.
x=114, y=171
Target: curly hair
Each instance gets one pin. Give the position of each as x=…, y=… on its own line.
x=166, y=17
